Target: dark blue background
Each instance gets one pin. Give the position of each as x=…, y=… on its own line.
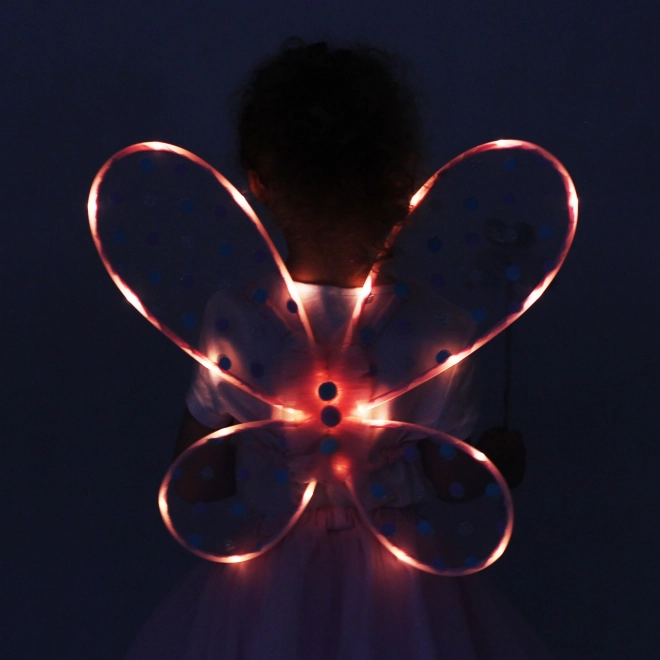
x=92, y=394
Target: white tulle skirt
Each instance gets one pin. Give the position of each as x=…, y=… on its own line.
x=330, y=591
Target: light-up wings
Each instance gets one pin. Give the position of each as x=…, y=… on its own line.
x=173, y=232
x=486, y=235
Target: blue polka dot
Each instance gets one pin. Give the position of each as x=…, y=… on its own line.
x=437, y=280
x=200, y=508
x=260, y=296
x=291, y=307
x=189, y=320
x=388, y=529
x=545, y=232
x=378, y=491
x=512, y=273
x=478, y=315
x=225, y=249
x=434, y=244
x=401, y=289
x=424, y=527
x=447, y=452
x=327, y=391
x=155, y=277
x=146, y=164
x=514, y=307
x=119, y=236
x=220, y=211
x=260, y=256
x=367, y=335
x=187, y=206
x=493, y=490
x=194, y=540
x=176, y=474
x=438, y=563
x=410, y=453
x=471, y=203
x=180, y=168
x=243, y=475
x=471, y=561
x=187, y=281
x=472, y=239
x=442, y=356
x=116, y=198
x=224, y=363
x=329, y=446
x=330, y=416
x=238, y=509
x=257, y=369
x=510, y=164
x=456, y=490
x=207, y=473
x=281, y=476
x=221, y=324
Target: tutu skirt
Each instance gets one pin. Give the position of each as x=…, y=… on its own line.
x=330, y=591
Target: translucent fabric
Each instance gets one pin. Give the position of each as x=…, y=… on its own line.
x=484, y=238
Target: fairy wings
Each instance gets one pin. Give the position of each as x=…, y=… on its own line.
x=485, y=236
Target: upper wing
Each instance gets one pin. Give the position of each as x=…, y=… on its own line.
x=486, y=235
x=173, y=233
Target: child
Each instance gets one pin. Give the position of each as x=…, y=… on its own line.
x=332, y=146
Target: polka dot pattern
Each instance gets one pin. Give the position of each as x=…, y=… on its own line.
x=329, y=446
x=225, y=249
x=378, y=491
x=388, y=529
x=425, y=528
x=447, y=452
x=474, y=251
x=456, y=490
x=331, y=416
x=327, y=391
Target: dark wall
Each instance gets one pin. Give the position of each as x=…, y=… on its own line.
x=92, y=394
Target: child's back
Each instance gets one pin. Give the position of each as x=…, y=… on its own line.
x=332, y=145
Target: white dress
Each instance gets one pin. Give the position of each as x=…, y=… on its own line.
x=329, y=590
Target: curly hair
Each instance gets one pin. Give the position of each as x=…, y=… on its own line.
x=336, y=136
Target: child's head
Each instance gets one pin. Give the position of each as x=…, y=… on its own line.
x=335, y=137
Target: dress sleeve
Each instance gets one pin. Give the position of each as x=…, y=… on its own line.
x=460, y=412
x=204, y=402
x=203, y=399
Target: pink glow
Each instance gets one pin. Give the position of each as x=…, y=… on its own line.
x=572, y=203
x=474, y=453
x=131, y=296
x=233, y=559
x=342, y=466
